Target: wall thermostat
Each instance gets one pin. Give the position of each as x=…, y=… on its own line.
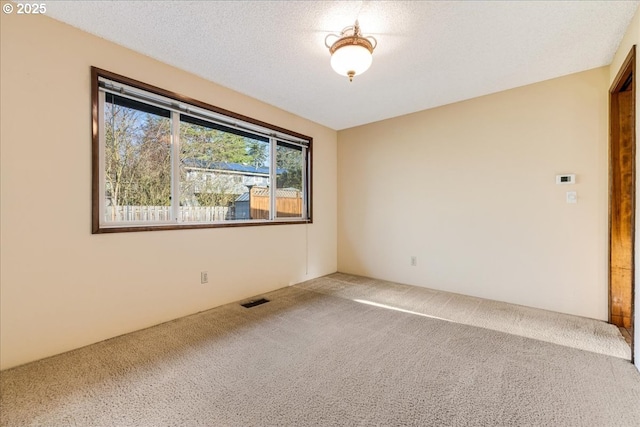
x=566, y=179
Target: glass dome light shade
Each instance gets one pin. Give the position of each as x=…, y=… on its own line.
x=351, y=59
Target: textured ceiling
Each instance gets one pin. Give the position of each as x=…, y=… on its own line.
x=429, y=53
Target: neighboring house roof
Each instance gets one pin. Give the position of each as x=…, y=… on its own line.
x=225, y=166
x=228, y=167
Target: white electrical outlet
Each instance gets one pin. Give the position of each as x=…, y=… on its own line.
x=414, y=261
x=204, y=277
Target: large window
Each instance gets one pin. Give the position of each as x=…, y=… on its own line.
x=162, y=161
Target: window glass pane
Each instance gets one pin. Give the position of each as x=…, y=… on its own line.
x=289, y=188
x=160, y=163
x=137, y=161
x=224, y=174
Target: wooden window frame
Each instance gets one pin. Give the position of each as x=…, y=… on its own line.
x=99, y=228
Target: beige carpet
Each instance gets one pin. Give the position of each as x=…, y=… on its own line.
x=313, y=356
x=563, y=329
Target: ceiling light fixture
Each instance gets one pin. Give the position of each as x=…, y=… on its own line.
x=351, y=53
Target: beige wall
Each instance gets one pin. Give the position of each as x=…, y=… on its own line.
x=61, y=286
x=469, y=189
x=632, y=37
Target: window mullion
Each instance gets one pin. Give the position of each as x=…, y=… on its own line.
x=175, y=166
x=101, y=157
x=305, y=191
x=273, y=174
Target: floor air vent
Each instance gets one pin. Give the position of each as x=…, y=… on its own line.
x=254, y=303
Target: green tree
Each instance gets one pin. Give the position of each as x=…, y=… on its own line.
x=257, y=153
x=289, y=162
x=211, y=145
